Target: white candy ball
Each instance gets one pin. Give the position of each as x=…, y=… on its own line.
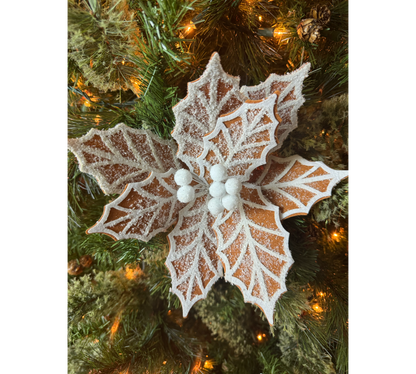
x=218, y=173
x=233, y=186
x=217, y=189
x=183, y=177
x=230, y=202
x=186, y=194
x=215, y=206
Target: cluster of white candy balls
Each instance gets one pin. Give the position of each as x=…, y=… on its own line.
x=224, y=194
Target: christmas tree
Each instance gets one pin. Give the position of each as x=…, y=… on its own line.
x=130, y=62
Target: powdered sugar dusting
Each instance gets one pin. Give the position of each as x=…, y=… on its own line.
x=143, y=210
x=191, y=261
x=213, y=94
x=295, y=184
x=122, y=155
x=213, y=126
x=254, y=250
x=290, y=97
x=241, y=140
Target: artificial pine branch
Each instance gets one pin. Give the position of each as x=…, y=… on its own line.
x=271, y=364
x=161, y=23
x=321, y=133
x=161, y=53
x=143, y=337
x=100, y=40
x=226, y=315
x=231, y=28
x=331, y=290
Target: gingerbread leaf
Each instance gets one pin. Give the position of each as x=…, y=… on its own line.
x=242, y=139
x=193, y=264
x=143, y=210
x=123, y=155
x=290, y=97
x=213, y=94
x=253, y=247
x=295, y=184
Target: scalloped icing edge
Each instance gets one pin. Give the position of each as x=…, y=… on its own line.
x=266, y=307
x=268, y=103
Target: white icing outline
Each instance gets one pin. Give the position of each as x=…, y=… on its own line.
x=77, y=147
x=335, y=176
x=212, y=74
x=266, y=304
x=296, y=79
x=266, y=107
x=133, y=215
x=176, y=253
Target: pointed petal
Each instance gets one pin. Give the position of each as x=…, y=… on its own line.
x=242, y=139
x=213, y=94
x=143, y=210
x=192, y=261
x=295, y=184
x=253, y=246
x=123, y=155
x=290, y=97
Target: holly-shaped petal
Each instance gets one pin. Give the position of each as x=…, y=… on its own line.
x=143, y=210
x=295, y=184
x=242, y=139
x=192, y=261
x=253, y=246
x=213, y=94
x=123, y=155
x=290, y=97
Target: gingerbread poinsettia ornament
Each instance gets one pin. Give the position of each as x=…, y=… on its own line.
x=227, y=218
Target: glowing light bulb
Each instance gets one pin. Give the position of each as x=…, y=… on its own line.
x=317, y=308
x=208, y=364
x=259, y=337
x=97, y=120
x=335, y=236
x=190, y=27
x=260, y=18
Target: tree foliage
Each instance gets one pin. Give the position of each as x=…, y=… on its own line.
x=130, y=61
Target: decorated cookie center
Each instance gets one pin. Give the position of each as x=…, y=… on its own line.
x=225, y=191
